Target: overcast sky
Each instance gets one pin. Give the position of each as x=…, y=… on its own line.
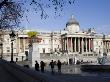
x=89, y=13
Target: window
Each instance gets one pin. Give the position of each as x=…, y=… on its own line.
x=43, y=50
x=97, y=49
x=84, y=54
x=107, y=50
x=90, y=54
x=49, y=41
x=101, y=43
x=38, y=49
x=97, y=43
x=55, y=40
x=58, y=46
x=8, y=40
x=8, y=49
x=43, y=41
x=55, y=50
x=48, y=49
x=95, y=54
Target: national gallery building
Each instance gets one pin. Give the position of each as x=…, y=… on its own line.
x=68, y=45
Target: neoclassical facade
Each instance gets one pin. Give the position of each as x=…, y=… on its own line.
x=68, y=45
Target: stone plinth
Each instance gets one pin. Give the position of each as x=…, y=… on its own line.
x=34, y=55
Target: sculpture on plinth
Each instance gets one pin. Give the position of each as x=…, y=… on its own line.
x=34, y=54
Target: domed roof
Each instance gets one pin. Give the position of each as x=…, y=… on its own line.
x=71, y=21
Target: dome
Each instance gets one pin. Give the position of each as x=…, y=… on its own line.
x=71, y=21
x=72, y=25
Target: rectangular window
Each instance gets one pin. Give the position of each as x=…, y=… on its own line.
x=55, y=50
x=43, y=50
x=49, y=50
x=43, y=41
x=95, y=54
x=8, y=49
x=90, y=54
x=84, y=54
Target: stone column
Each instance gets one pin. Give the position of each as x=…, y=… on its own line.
x=86, y=43
x=75, y=44
x=79, y=44
x=92, y=44
x=63, y=44
x=89, y=44
x=71, y=45
x=104, y=46
x=107, y=46
x=67, y=44
x=24, y=43
x=82, y=45
x=17, y=45
x=19, y=50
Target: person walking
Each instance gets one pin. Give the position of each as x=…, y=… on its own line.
x=36, y=66
x=52, y=66
x=42, y=65
x=59, y=66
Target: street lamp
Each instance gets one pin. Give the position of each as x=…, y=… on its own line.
x=12, y=37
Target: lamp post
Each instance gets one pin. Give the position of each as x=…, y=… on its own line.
x=12, y=37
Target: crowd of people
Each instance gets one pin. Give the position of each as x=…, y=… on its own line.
x=52, y=65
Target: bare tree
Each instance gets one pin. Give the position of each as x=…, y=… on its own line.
x=10, y=14
x=56, y=5
x=11, y=11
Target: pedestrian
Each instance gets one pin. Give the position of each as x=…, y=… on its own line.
x=36, y=66
x=22, y=58
x=52, y=66
x=59, y=66
x=16, y=59
x=42, y=65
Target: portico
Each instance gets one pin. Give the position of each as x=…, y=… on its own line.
x=77, y=44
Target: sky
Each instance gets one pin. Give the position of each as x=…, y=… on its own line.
x=89, y=14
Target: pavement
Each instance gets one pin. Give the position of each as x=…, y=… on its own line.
x=15, y=73
x=5, y=76
x=73, y=75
